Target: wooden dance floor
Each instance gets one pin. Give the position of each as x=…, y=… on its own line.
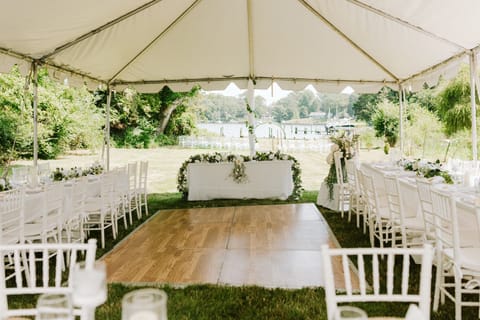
x=271, y=246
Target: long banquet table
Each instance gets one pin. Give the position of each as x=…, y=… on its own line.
x=465, y=196
x=265, y=179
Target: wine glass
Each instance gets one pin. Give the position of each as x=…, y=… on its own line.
x=145, y=304
x=54, y=306
x=89, y=286
x=350, y=313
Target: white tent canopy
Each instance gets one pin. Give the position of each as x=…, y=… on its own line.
x=146, y=44
x=329, y=43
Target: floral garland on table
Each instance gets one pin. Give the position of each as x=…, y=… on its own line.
x=238, y=172
x=59, y=174
x=426, y=169
x=346, y=144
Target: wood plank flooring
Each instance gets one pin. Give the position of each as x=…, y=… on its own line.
x=271, y=246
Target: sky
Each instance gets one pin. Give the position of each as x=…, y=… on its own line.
x=270, y=95
x=277, y=94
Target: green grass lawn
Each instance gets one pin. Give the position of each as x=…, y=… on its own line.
x=251, y=302
x=247, y=302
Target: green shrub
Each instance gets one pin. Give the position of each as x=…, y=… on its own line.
x=386, y=122
x=164, y=140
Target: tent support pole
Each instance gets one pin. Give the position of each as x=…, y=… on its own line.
x=251, y=118
x=107, y=127
x=35, y=112
x=473, y=68
x=401, y=97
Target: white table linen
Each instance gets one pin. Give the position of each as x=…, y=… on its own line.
x=265, y=179
x=465, y=196
x=323, y=197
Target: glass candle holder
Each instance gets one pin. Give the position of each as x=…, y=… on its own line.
x=54, y=307
x=145, y=304
x=350, y=313
x=89, y=285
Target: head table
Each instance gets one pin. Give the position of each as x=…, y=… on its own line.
x=265, y=179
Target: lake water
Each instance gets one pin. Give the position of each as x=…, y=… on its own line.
x=285, y=131
x=234, y=137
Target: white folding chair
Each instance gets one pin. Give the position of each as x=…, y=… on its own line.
x=75, y=213
x=46, y=276
x=142, y=186
x=132, y=169
x=453, y=260
x=428, y=217
x=405, y=230
x=100, y=212
x=356, y=202
x=343, y=188
x=12, y=222
x=391, y=291
x=120, y=197
x=49, y=224
x=378, y=216
x=12, y=216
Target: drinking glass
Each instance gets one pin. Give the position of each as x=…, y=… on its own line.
x=89, y=284
x=350, y=313
x=145, y=304
x=54, y=307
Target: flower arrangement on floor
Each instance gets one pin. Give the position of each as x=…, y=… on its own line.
x=346, y=144
x=59, y=174
x=238, y=172
x=426, y=169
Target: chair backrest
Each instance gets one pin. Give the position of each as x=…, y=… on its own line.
x=386, y=288
x=425, y=197
x=37, y=271
x=12, y=216
x=79, y=193
x=446, y=221
x=143, y=176
x=370, y=194
x=122, y=181
x=132, y=175
x=337, y=158
x=53, y=218
x=394, y=199
x=350, y=168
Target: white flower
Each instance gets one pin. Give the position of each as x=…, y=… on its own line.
x=330, y=158
x=334, y=147
x=284, y=157
x=271, y=156
x=415, y=165
x=218, y=157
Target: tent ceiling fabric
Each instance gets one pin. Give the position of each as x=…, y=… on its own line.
x=327, y=43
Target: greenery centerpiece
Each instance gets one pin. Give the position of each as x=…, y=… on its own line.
x=345, y=144
x=60, y=174
x=426, y=169
x=238, y=173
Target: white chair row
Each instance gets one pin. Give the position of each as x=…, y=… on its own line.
x=64, y=211
x=437, y=223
